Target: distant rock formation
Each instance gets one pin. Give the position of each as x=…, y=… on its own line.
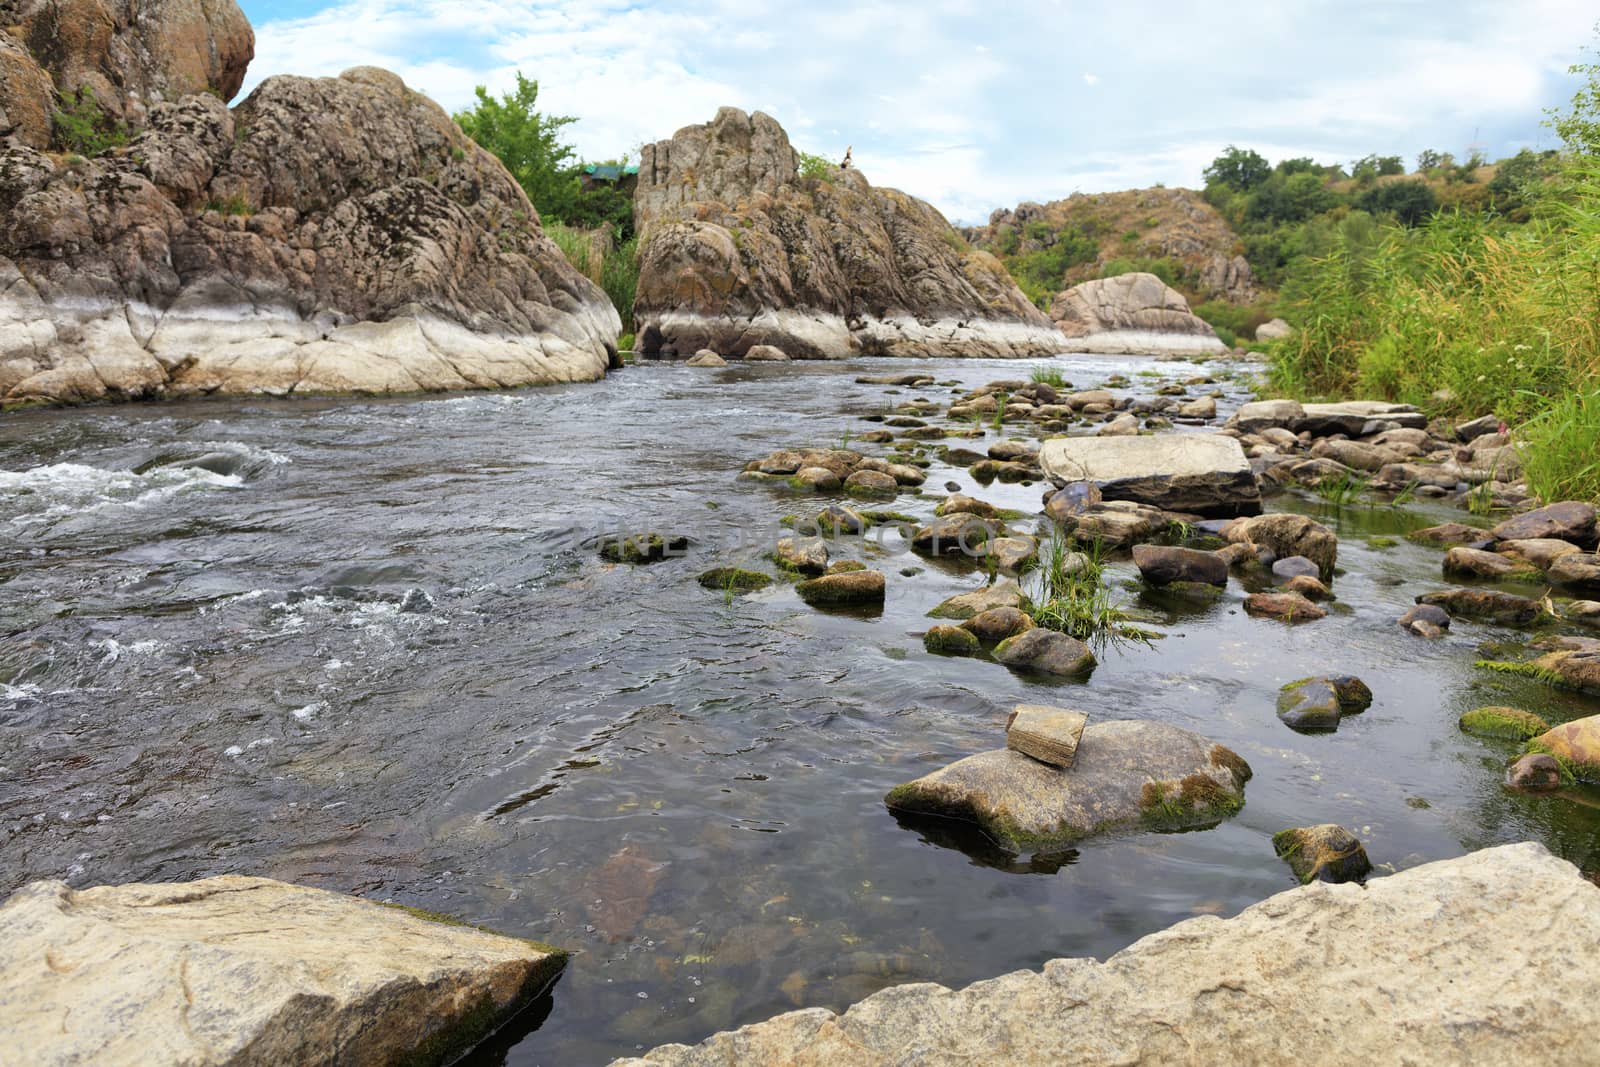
x=1174, y=224
x=330, y=235
x=1131, y=313
x=740, y=250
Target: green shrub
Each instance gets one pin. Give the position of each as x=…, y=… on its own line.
x=817, y=168
x=83, y=127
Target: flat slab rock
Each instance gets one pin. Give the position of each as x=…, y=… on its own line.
x=1202, y=474
x=1417, y=967
x=1126, y=774
x=236, y=970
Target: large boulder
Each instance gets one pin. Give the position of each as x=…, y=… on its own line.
x=1202, y=474
x=1575, y=745
x=1567, y=520
x=1125, y=775
x=328, y=235
x=236, y=970
x=1131, y=313
x=1356, y=418
x=740, y=250
x=1478, y=960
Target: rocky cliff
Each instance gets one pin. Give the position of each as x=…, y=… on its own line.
x=1131, y=313
x=330, y=235
x=739, y=250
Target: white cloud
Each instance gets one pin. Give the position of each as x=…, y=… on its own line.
x=947, y=101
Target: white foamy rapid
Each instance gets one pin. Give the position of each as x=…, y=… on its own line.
x=43, y=494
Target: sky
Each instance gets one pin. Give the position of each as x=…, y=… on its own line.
x=974, y=104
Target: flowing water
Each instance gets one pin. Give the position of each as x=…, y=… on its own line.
x=363, y=645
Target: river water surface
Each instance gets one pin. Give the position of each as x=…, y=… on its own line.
x=362, y=645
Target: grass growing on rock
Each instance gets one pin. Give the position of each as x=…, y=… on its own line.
x=1525, y=670
x=1066, y=591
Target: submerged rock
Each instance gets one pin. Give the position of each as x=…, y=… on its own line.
x=705, y=358
x=1200, y=474
x=1534, y=772
x=736, y=579
x=1506, y=609
x=1511, y=724
x=1430, y=944
x=1042, y=651
x=848, y=589
x=1286, y=607
x=1326, y=853
x=1425, y=620
x=1126, y=775
x=1161, y=565
x=643, y=547
x=235, y=970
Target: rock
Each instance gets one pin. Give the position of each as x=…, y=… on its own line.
x=913, y=379
x=1260, y=415
x=1511, y=724
x=1049, y=735
x=705, y=358
x=1286, y=535
x=643, y=547
x=1203, y=408
x=1430, y=944
x=837, y=520
x=1415, y=476
x=334, y=235
x=1506, y=609
x=1090, y=398
x=727, y=223
x=1274, y=330
x=1295, y=567
x=735, y=579
x=846, y=566
x=235, y=970
x=1013, y=554
x=1569, y=520
x=1352, y=417
x=1431, y=616
x=1113, y=524
x=1307, y=586
x=1014, y=450
x=950, y=641
x=959, y=503
x=1121, y=426
x=1326, y=853
x=784, y=461
x=1540, y=552
x=871, y=483
x=1577, y=571
x=1287, y=607
x=1201, y=474
x=1003, y=594
x=1578, y=670
x=1582, y=612
x=1576, y=747
x=956, y=534
x=1355, y=454
x=1480, y=564
x=1471, y=431
x=1451, y=533
x=765, y=354
x=1042, y=651
x=1131, y=314
x=996, y=624
x=843, y=590
x=1126, y=775
x=1072, y=500
x=1319, y=703
x=816, y=480
x=1534, y=773
x=1162, y=566
x=806, y=555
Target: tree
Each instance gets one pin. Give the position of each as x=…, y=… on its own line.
x=1580, y=127
x=1410, y=202
x=1429, y=159
x=1238, y=168
x=1374, y=166
x=530, y=145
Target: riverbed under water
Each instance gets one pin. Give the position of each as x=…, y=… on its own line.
x=362, y=644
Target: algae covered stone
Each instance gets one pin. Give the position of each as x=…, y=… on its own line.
x=643, y=547
x=1326, y=853
x=1126, y=775
x=736, y=579
x=1319, y=703
x=1049, y=652
x=843, y=590
x=1575, y=746
x=1006, y=594
x=951, y=641
x=1512, y=724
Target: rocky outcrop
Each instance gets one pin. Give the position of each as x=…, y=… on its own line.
x=236, y=970
x=740, y=250
x=328, y=235
x=1203, y=474
x=1131, y=314
x=1478, y=960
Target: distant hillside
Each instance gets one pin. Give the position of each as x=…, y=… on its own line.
x=1173, y=233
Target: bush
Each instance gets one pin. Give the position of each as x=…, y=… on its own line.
x=614, y=267
x=816, y=168
x=84, y=128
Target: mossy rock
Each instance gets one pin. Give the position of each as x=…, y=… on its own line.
x=1510, y=724
x=1328, y=853
x=643, y=547
x=736, y=578
x=843, y=590
x=951, y=641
